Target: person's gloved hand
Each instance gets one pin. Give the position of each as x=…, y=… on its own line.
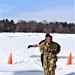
x=29, y=46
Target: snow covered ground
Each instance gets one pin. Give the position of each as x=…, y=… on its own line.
x=25, y=61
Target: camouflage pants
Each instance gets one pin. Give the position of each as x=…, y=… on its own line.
x=49, y=66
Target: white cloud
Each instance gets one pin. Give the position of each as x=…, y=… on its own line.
x=4, y=11
x=49, y=15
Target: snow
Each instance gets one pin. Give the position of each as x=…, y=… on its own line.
x=26, y=61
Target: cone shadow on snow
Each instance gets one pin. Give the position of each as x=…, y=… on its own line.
x=19, y=62
x=72, y=73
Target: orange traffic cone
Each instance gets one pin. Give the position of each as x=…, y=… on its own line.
x=69, y=62
x=10, y=59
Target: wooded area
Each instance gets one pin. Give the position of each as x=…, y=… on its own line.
x=37, y=27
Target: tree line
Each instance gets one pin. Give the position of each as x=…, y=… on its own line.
x=37, y=27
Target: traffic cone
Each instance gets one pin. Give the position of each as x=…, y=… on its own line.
x=10, y=58
x=69, y=62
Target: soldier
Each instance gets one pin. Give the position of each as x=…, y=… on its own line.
x=49, y=51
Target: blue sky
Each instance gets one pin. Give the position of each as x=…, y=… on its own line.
x=38, y=10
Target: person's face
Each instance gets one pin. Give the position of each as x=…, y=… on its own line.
x=48, y=39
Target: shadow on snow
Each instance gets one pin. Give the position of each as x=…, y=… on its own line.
x=72, y=73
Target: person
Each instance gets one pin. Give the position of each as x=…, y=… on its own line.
x=49, y=50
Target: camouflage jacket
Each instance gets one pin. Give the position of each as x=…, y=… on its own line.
x=49, y=49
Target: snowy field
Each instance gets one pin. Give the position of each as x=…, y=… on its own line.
x=27, y=61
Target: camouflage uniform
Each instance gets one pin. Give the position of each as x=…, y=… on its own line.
x=49, y=59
